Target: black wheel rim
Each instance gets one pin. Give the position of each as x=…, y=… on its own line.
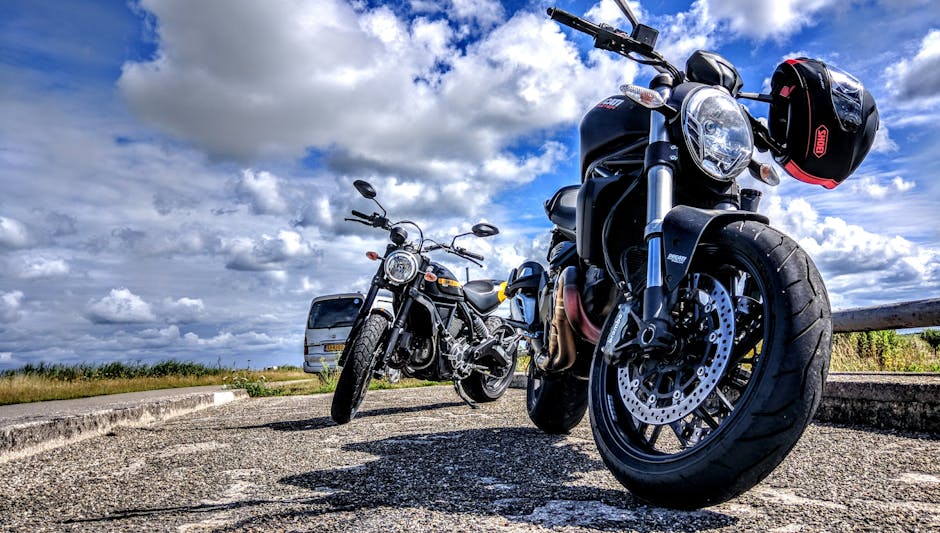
x=497, y=383
x=671, y=441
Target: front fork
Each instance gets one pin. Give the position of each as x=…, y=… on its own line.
x=661, y=157
x=653, y=328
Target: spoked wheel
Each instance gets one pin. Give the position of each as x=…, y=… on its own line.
x=502, y=364
x=357, y=371
x=706, y=423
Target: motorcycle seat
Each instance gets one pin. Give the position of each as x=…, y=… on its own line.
x=482, y=294
x=562, y=207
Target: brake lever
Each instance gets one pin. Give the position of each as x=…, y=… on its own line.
x=357, y=220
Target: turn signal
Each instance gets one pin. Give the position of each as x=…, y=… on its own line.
x=430, y=276
x=372, y=255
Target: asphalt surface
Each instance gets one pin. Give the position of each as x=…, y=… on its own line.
x=420, y=460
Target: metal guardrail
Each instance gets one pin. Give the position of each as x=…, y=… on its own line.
x=919, y=314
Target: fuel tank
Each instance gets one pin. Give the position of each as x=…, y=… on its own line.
x=614, y=123
x=447, y=287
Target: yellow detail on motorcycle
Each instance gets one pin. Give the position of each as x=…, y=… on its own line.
x=448, y=282
x=502, y=292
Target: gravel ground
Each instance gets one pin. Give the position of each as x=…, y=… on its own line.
x=420, y=460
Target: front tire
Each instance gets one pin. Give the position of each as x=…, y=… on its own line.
x=765, y=397
x=357, y=371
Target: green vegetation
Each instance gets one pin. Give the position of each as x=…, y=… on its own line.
x=886, y=351
x=932, y=337
x=324, y=382
x=33, y=383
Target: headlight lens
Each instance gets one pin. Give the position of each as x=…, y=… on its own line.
x=401, y=266
x=717, y=133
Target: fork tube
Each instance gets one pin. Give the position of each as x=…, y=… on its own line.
x=659, y=182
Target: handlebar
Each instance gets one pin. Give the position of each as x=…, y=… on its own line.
x=375, y=220
x=573, y=21
x=617, y=41
x=456, y=250
x=469, y=254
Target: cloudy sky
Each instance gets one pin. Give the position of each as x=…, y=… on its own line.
x=174, y=173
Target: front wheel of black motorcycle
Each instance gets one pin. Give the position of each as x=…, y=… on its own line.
x=702, y=425
x=357, y=371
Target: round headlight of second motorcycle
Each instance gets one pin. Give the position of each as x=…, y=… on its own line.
x=717, y=133
x=401, y=266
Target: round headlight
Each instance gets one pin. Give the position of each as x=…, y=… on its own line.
x=717, y=132
x=401, y=266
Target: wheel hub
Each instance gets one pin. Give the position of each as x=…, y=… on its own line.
x=662, y=391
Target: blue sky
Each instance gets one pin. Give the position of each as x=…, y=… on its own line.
x=174, y=173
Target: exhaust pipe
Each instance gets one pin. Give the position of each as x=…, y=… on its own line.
x=574, y=309
x=561, y=346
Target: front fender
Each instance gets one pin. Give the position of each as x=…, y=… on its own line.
x=683, y=228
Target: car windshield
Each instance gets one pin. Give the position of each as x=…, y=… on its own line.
x=336, y=313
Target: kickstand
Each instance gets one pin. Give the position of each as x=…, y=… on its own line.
x=463, y=396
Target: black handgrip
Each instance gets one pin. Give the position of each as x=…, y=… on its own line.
x=470, y=254
x=573, y=21
x=359, y=214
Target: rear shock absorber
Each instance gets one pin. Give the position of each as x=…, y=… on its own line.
x=479, y=328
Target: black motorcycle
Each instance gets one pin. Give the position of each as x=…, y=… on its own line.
x=440, y=330
x=698, y=336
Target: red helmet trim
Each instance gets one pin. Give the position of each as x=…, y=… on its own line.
x=801, y=175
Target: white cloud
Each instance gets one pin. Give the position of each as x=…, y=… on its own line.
x=883, y=141
x=763, y=20
x=902, y=185
x=608, y=12
x=13, y=233
x=183, y=310
x=120, y=306
x=871, y=187
x=267, y=253
x=262, y=192
x=919, y=77
x=484, y=12
x=375, y=92
x=10, y=306
x=36, y=266
x=858, y=264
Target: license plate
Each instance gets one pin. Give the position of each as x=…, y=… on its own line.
x=334, y=347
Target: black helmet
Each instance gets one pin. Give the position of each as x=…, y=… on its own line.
x=823, y=117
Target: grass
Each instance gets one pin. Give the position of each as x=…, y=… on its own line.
x=884, y=351
x=322, y=383
x=34, y=383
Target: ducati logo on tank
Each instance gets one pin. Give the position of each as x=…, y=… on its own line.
x=610, y=103
x=822, y=141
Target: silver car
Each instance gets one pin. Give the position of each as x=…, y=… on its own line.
x=328, y=324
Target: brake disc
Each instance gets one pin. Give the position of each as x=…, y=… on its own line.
x=658, y=392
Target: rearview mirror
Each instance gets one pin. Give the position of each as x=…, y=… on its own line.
x=484, y=230
x=365, y=189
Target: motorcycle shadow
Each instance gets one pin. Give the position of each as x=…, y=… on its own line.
x=321, y=422
x=517, y=473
